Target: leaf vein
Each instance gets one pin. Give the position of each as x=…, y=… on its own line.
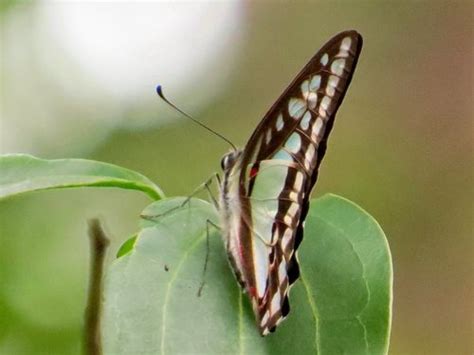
x=314, y=311
x=168, y=288
x=367, y=288
x=241, y=315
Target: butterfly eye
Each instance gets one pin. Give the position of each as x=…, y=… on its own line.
x=224, y=162
x=229, y=160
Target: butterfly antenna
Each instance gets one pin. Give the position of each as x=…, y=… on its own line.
x=159, y=91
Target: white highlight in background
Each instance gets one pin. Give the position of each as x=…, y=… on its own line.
x=76, y=68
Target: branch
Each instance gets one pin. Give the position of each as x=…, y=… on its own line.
x=98, y=245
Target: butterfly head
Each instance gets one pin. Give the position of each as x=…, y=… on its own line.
x=228, y=160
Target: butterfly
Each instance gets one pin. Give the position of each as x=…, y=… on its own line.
x=265, y=190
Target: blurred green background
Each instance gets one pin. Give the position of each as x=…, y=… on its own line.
x=77, y=80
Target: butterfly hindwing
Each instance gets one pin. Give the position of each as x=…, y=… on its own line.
x=266, y=187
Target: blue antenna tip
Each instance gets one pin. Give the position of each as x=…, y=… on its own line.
x=158, y=90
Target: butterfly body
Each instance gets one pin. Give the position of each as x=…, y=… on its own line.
x=264, y=195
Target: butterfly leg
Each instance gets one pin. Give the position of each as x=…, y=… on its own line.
x=263, y=240
x=203, y=186
x=271, y=245
x=206, y=186
x=209, y=223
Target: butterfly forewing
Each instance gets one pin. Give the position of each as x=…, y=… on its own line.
x=266, y=188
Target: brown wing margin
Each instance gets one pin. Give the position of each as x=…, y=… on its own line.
x=312, y=67
x=356, y=47
x=354, y=53
x=254, y=152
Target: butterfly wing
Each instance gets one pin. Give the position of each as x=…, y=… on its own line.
x=271, y=180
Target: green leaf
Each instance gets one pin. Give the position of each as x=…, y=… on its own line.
x=341, y=303
x=127, y=247
x=20, y=173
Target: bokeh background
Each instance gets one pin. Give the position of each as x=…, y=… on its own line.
x=78, y=79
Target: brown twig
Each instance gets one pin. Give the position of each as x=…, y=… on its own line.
x=98, y=245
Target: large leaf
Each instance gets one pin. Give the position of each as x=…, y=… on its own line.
x=20, y=173
x=341, y=304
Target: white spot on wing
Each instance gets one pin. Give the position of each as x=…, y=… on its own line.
x=345, y=47
x=282, y=271
x=304, y=124
x=324, y=105
x=309, y=156
x=293, y=144
x=324, y=59
x=317, y=127
x=312, y=100
x=285, y=240
x=346, y=44
x=265, y=318
x=330, y=91
x=298, y=184
x=293, y=196
x=305, y=88
x=315, y=83
x=276, y=301
x=292, y=210
x=280, y=123
x=269, y=136
x=296, y=107
x=325, y=102
x=333, y=82
x=322, y=112
x=337, y=66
